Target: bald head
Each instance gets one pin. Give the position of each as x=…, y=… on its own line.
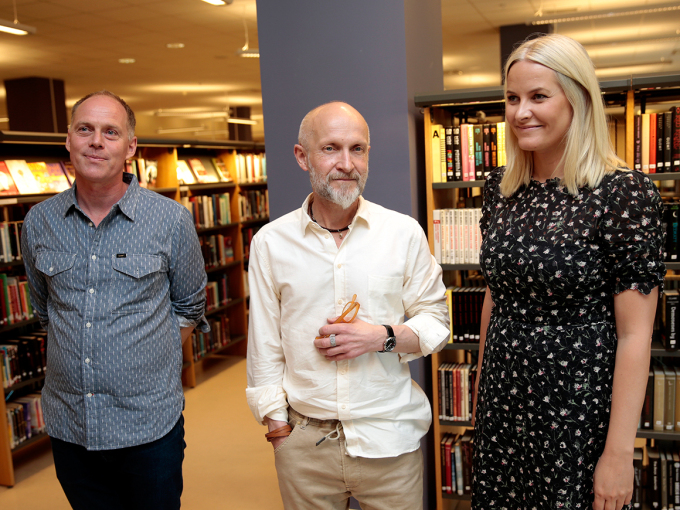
x=324, y=114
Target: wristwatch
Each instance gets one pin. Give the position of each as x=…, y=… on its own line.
x=390, y=341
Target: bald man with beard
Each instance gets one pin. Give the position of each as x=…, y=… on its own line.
x=344, y=417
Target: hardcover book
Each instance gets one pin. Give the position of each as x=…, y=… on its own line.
x=23, y=177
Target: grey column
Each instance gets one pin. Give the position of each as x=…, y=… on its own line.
x=373, y=54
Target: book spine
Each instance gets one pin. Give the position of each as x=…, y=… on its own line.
x=479, y=151
x=660, y=142
x=667, y=141
x=652, y=143
x=448, y=139
x=637, y=141
x=457, y=166
x=675, y=138
x=644, y=137
x=659, y=386
x=436, y=232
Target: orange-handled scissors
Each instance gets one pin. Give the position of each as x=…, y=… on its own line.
x=350, y=307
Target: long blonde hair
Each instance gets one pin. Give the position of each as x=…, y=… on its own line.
x=589, y=153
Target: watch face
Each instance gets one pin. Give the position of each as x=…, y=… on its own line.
x=390, y=344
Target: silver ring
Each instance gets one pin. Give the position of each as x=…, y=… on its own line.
x=332, y=337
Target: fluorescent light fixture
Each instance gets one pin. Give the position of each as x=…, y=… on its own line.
x=16, y=28
x=215, y=2
x=191, y=115
x=194, y=129
x=205, y=115
x=174, y=46
x=248, y=53
x=249, y=122
x=126, y=60
x=4, y=119
x=604, y=14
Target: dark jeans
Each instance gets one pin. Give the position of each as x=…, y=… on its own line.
x=148, y=476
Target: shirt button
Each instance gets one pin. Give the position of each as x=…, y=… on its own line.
x=91, y=291
x=94, y=257
x=339, y=301
x=344, y=406
x=51, y=269
x=339, y=266
x=87, y=360
x=326, y=236
x=90, y=395
x=91, y=224
x=88, y=325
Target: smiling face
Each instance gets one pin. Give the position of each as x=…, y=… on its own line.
x=336, y=154
x=98, y=140
x=537, y=109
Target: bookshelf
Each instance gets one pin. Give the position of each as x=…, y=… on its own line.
x=49, y=147
x=623, y=98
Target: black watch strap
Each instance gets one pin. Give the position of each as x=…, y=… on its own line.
x=390, y=341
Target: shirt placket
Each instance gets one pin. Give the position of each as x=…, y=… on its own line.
x=342, y=366
x=92, y=271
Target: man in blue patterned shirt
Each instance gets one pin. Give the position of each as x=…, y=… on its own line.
x=117, y=279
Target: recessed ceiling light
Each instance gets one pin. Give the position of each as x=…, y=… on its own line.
x=175, y=45
x=215, y=2
x=126, y=60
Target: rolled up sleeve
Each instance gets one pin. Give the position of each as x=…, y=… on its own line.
x=187, y=275
x=424, y=298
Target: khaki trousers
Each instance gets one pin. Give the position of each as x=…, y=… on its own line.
x=324, y=477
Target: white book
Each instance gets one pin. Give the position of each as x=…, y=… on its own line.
x=436, y=233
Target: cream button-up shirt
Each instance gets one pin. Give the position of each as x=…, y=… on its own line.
x=298, y=278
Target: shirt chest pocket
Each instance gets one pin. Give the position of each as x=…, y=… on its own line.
x=57, y=268
x=138, y=283
x=384, y=298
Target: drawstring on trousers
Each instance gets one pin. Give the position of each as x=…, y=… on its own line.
x=335, y=431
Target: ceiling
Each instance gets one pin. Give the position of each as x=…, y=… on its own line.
x=82, y=41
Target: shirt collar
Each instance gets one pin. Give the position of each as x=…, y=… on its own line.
x=363, y=213
x=127, y=204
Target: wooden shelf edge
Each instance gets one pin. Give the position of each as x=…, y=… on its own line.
x=655, y=434
x=458, y=497
x=231, y=303
x=235, y=340
x=10, y=327
x=23, y=384
x=462, y=346
x=34, y=439
x=447, y=423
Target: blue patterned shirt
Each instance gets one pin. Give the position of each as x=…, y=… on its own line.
x=113, y=299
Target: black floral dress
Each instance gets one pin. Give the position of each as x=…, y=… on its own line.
x=553, y=263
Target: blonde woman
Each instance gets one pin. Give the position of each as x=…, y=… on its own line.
x=572, y=256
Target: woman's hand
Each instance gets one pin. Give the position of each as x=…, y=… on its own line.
x=613, y=481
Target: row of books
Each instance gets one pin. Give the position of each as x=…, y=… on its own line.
x=465, y=311
x=10, y=241
x=657, y=483
x=201, y=171
x=456, y=462
x=457, y=237
x=146, y=171
x=661, y=407
x=15, y=301
x=209, y=210
x=467, y=152
x=23, y=358
x=18, y=177
x=250, y=168
x=456, y=385
x=657, y=141
x=218, y=337
x=217, y=250
x=254, y=204
x=24, y=418
x=217, y=293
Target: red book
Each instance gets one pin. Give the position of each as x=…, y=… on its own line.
x=652, y=143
